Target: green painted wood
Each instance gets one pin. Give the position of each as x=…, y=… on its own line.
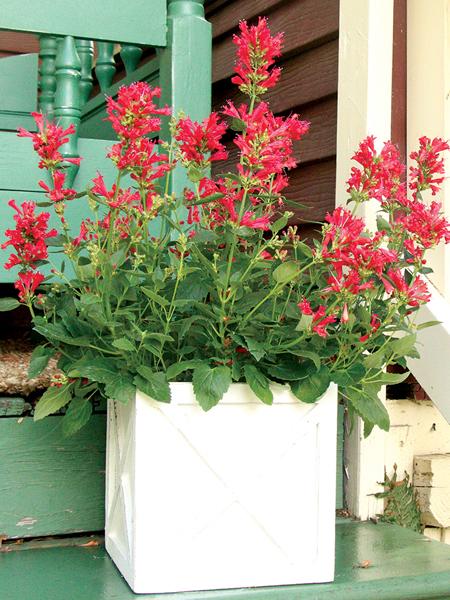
x=47, y=78
x=12, y=406
x=185, y=67
x=19, y=164
x=134, y=22
x=85, y=49
x=105, y=68
x=68, y=99
x=131, y=55
x=93, y=124
x=404, y=566
x=340, y=459
x=18, y=83
x=50, y=484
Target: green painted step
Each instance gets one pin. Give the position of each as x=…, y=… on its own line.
x=404, y=566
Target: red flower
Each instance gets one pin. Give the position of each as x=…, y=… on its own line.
x=426, y=224
x=429, y=164
x=198, y=139
x=380, y=175
x=320, y=321
x=374, y=326
x=249, y=220
x=134, y=113
x=28, y=238
x=414, y=294
x=256, y=51
x=27, y=284
x=47, y=140
x=266, y=144
x=305, y=307
x=58, y=193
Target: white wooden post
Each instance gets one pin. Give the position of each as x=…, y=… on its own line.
x=428, y=103
x=364, y=108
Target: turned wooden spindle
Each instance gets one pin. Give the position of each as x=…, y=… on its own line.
x=105, y=68
x=131, y=55
x=47, y=79
x=85, y=49
x=67, y=99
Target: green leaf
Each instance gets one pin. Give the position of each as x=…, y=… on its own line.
x=403, y=346
x=307, y=354
x=123, y=344
x=210, y=384
x=259, y=384
x=369, y=407
x=304, y=323
x=280, y=223
x=255, y=348
x=390, y=378
x=153, y=384
x=291, y=371
x=313, y=387
x=375, y=360
x=382, y=224
x=8, y=304
x=179, y=367
x=428, y=324
x=77, y=415
x=39, y=360
x=194, y=173
x=52, y=400
x=286, y=272
x=98, y=369
x=57, y=333
x=237, y=124
x=305, y=249
x=155, y=297
x=120, y=387
x=349, y=376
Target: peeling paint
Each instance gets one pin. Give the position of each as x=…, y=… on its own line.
x=26, y=521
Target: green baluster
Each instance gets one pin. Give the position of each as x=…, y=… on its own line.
x=47, y=79
x=105, y=68
x=131, y=55
x=85, y=49
x=185, y=64
x=67, y=99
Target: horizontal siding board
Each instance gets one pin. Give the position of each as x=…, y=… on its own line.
x=313, y=186
x=18, y=43
x=224, y=19
x=306, y=23
x=50, y=484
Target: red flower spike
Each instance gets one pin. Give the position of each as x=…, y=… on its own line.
x=429, y=173
x=134, y=113
x=256, y=53
x=27, y=284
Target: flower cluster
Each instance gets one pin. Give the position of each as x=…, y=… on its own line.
x=47, y=141
x=256, y=53
x=213, y=285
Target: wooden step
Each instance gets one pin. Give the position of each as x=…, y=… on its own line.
x=382, y=562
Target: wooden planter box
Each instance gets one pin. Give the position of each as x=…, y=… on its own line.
x=241, y=496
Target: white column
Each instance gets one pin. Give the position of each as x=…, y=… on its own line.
x=428, y=103
x=364, y=108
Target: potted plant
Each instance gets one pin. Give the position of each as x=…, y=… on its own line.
x=193, y=314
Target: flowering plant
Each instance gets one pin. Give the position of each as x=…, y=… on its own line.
x=215, y=286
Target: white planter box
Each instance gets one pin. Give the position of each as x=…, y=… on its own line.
x=240, y=496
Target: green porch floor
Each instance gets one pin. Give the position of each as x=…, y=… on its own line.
x=403, y=566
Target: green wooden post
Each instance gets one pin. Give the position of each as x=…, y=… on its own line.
x=106, y=66
x=185, y=67
x=85, y=49
x=131, y=55
x=47, y=80
x=67, y=99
